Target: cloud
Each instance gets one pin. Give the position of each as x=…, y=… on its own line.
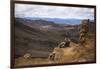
x=26, y=10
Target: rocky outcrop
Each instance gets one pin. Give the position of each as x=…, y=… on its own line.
x=84, y=31
x=68, y=51
x=74, y=53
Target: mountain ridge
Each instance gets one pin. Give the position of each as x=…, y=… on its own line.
x=70, y=21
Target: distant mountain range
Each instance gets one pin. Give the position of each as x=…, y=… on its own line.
x=45, y=25
x=58, y=20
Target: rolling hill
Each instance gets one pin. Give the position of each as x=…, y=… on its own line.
x=40, y=37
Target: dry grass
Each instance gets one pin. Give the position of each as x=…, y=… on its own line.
x=78, y=53
x=74, y=53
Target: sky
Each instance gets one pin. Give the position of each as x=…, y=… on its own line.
x=27, y=10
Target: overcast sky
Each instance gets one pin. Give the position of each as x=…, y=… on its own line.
x=26, y=10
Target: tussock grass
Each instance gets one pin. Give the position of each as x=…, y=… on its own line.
x=74, y=53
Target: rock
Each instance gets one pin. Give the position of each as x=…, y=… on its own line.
x=27, y=55
x=65, y=43
x=83, y=31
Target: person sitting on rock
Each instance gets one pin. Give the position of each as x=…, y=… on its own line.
x=65, y=43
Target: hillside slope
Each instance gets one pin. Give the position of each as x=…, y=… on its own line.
x=31, y=40
x=33, y=46
x=73, y=54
